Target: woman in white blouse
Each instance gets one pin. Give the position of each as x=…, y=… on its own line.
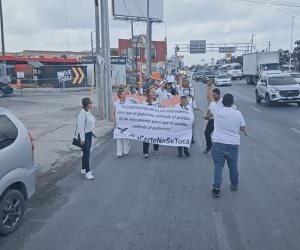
x=86, y=125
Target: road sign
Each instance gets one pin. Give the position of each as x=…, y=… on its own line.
x=197, y=46
x=79, y=75
x=20, y=75
x=226, y=49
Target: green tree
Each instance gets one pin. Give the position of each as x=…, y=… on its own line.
x=284, y=57
x=296, y=55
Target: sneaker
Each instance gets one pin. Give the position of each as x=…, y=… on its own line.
x=119, y=156
x=146, y=155
x=89, y=176
x=180, y=155
x=187, y=153
x=206, y=151
x=155, y=152
x=234, y=188
x=82, y=171
x=215, y=192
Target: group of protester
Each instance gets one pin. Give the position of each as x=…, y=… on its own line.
x=224, y=123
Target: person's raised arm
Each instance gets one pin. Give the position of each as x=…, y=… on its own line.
x=209, y=92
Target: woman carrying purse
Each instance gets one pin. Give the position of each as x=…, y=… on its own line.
x=86, y=125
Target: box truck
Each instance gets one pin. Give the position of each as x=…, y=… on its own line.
x=258, y=63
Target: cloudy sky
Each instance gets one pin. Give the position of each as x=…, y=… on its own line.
x=46, y=24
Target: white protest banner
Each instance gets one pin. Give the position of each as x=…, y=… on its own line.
x=164, y=126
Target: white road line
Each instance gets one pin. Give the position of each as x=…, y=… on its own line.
x=255, y=109
x=296, y=130
x=221, y=233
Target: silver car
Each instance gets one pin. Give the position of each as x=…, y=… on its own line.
x=17, y=171
x=277, y=88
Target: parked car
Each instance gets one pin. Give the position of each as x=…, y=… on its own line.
x=277, y=88
x=296, y=76
x=223, y=80
x=17, y=171
x=5, y=89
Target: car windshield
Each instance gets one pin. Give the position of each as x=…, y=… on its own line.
x=282, y=80
x=270, y=66
x=223, y=77
x=209, y=73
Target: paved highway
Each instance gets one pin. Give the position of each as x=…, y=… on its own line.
x=164, y=202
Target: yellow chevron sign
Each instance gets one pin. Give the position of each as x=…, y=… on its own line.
x=79, y=75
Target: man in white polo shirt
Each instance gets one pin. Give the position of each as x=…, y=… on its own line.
x=228, y=122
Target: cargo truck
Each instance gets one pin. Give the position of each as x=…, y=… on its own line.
x=258, y=63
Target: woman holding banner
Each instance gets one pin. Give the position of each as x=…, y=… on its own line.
x=152, y=101
x=183, y=105
x=123, y=145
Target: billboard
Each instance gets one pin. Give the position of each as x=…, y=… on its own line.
x=133, y=9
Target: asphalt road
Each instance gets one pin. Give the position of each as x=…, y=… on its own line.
x=164, y=202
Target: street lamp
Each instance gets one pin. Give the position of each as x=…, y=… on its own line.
x=292, y=16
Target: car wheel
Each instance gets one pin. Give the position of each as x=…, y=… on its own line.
x=257, y=97
x=1, y=93
x=11, y=211
x=268, y=101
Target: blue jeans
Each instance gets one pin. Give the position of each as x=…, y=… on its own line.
x=86, y=150
x=219, y=153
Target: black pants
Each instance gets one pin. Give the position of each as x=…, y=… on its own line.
x=208, y=131
x=86, y=149
x=146, y=147
x=185, y=149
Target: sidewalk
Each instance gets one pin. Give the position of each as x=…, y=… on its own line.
x=51, y=118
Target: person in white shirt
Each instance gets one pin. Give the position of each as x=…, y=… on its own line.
x=228, y=122
x=151, y=100
x=86, y=125
x=215, y=103
x=183, y=105
x=123, y=145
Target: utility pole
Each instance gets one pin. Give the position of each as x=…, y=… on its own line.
x=176, y=58
x=2, y=43
x=252, y=42
x=269, y=46
x=149, y=40
x=291, y=43
x=93, y=59
x=132, y=48
x=106, y=53
x=98, y=67
x=103, y=69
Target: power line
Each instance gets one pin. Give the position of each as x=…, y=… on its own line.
x=285, y=4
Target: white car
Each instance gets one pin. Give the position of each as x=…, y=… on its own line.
x=235, y=74
x=222, y=80
x=277, y=88
x=296, y=76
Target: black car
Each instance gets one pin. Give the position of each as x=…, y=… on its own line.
x=5, y=89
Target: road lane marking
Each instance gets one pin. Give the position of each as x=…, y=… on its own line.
x=221, y=233
x=255, y=109
x=296, y=130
